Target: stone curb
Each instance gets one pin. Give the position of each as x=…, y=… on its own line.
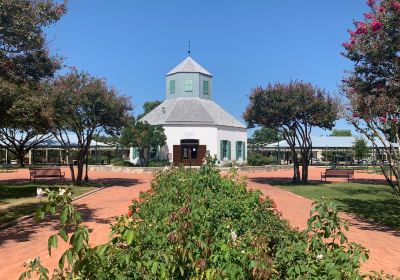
x=31, y=216
x=124, y=169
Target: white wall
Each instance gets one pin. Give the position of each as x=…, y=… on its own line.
x=232, y=134
x=206, y=135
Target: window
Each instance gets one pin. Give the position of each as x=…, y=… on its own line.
x=205, y=87
x=172, y=86
x=239, y=150
x=225, y=150
x=185, y=152
x=193, y=152
x=189, y=85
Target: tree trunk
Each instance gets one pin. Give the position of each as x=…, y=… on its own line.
x=21, y=156
x=80, y=172
x=296, y=168
x=71, y=168
x=304, y=172
x=86, y=170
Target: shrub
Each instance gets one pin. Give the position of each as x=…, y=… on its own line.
x=197, y=224
x=158, y=163
x=123, y=163
x=258, y=159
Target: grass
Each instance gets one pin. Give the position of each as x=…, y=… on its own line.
x=374, y=202
x=19, y=199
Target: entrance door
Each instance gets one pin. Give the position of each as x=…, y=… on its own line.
x=189, y=153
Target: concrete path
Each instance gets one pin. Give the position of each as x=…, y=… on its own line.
x=28, y=240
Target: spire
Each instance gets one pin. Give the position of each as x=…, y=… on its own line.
x=189, y=49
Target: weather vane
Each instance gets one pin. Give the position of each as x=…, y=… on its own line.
x=189, y=49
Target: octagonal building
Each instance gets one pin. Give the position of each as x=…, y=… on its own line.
x=194, y=124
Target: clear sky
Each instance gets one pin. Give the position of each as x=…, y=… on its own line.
x=244, y=44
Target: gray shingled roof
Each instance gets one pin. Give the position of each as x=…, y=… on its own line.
x=189, y=65
x=190, y=111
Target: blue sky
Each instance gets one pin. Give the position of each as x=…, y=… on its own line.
x=244, y=44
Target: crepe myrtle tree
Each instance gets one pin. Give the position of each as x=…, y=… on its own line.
x=24, y=62
x=25, y=122
x=83, y=107
x=24, y=54
x=292, y=110
x=373, y=85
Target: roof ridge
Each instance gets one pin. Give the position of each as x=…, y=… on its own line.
x=189, y=65
x=208, y=113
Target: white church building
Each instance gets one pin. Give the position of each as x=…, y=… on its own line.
x=194, y=124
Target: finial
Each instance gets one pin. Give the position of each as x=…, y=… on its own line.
x=189, y=49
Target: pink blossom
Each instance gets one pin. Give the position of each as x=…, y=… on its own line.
x=382, y=119
x=369, y=16
x=396, y=5
x=371, y=2
x=361, y=28
x=381, y=9
x=356, y=115
x=348, y=46
x=376, y=25
x=395, y=120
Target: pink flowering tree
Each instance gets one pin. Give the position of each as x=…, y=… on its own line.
x=373, y=85
x=292, y=110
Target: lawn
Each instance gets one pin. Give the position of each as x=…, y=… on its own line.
x=19, y=199
x=374, y=202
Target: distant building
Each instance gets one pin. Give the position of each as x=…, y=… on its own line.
x=324, y=148
x=194, y=124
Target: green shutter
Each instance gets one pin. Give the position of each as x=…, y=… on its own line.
x=244, y=150
x=221, y=151
x=229, y=150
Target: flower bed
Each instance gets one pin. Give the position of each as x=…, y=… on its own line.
x=197, y=224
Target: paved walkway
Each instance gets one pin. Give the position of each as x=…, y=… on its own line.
x=383, y=242
x=27, y=240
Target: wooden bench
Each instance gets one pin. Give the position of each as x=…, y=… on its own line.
x=338, y=173
x=46, y=173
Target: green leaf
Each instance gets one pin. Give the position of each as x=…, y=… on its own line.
x=22, y=276
x=154, y=267
x=64, y=215
x=129, y=236
x=78, y=242
x=63, y=234
x=162, y=270
x=52, y=242
x=62, y=261
x=69, y=257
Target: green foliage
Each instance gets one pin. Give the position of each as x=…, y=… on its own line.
x=292, y=110
x=373, y=84
x=258, y=159
x=144, y=137
x=341, y=132
x=24, y=52
x=24, y=62
x=123, y=163
x=266, y=136
x=84, y=106
x=148, y=107
x=361, y=148
x=158, y=163
x=197, y=224
x=25, y=122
